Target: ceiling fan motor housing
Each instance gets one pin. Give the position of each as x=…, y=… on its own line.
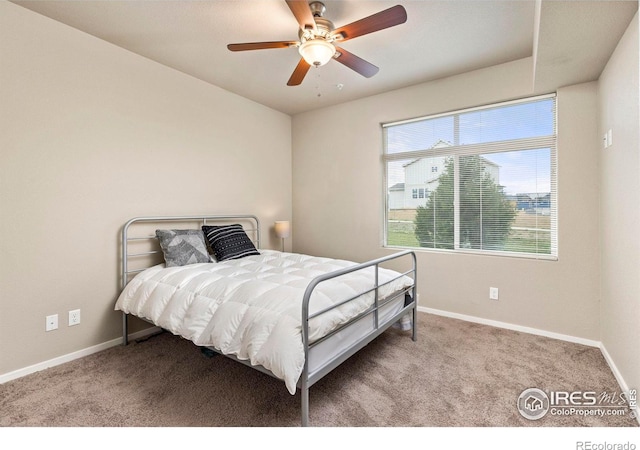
x=324, y=27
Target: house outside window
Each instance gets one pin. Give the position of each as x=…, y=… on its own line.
x=476, y=180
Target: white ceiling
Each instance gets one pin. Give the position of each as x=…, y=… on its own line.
x=572, y=41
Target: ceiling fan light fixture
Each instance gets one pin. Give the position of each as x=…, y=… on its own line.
x=317, y=52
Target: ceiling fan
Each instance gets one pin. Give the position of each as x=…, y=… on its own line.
x=318, y=37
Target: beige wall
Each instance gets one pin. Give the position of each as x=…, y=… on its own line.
x=620, y=206
x=337, y=202
x=92, y=135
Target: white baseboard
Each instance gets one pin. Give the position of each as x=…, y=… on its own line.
x=71, y=356
x=563, y=337
x=616, y=373
x=510, y=326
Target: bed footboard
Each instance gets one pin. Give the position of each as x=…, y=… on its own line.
x=307, y=379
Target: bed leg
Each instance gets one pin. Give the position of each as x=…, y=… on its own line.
x=125, y=328
x=304, y=394
x=414, y=333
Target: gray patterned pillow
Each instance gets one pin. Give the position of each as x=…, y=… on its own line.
x=182, y=247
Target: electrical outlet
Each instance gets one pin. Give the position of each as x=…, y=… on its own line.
x=493, y=293
x=74, y=317
x=51, y=322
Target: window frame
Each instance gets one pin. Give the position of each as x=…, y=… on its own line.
x=521, y=144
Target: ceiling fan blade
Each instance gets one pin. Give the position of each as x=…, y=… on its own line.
x=260, y=45
x=376, y=22
x=299, y=73
x=303, y=14
x=364, y=68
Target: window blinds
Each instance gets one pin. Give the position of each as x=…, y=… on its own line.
x=480, y=179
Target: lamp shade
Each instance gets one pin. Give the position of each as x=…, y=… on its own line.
x=283, y=228
x=317, y=52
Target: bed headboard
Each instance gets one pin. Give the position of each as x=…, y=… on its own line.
x=140, y=247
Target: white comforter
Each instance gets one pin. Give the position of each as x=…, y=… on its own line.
x=251, y=307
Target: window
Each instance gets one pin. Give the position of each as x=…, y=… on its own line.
x=485, y=180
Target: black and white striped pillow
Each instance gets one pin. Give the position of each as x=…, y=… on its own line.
x=229, y=241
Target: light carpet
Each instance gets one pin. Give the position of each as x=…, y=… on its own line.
x=458, y=374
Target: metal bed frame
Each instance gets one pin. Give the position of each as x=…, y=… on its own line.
x=307, y=378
